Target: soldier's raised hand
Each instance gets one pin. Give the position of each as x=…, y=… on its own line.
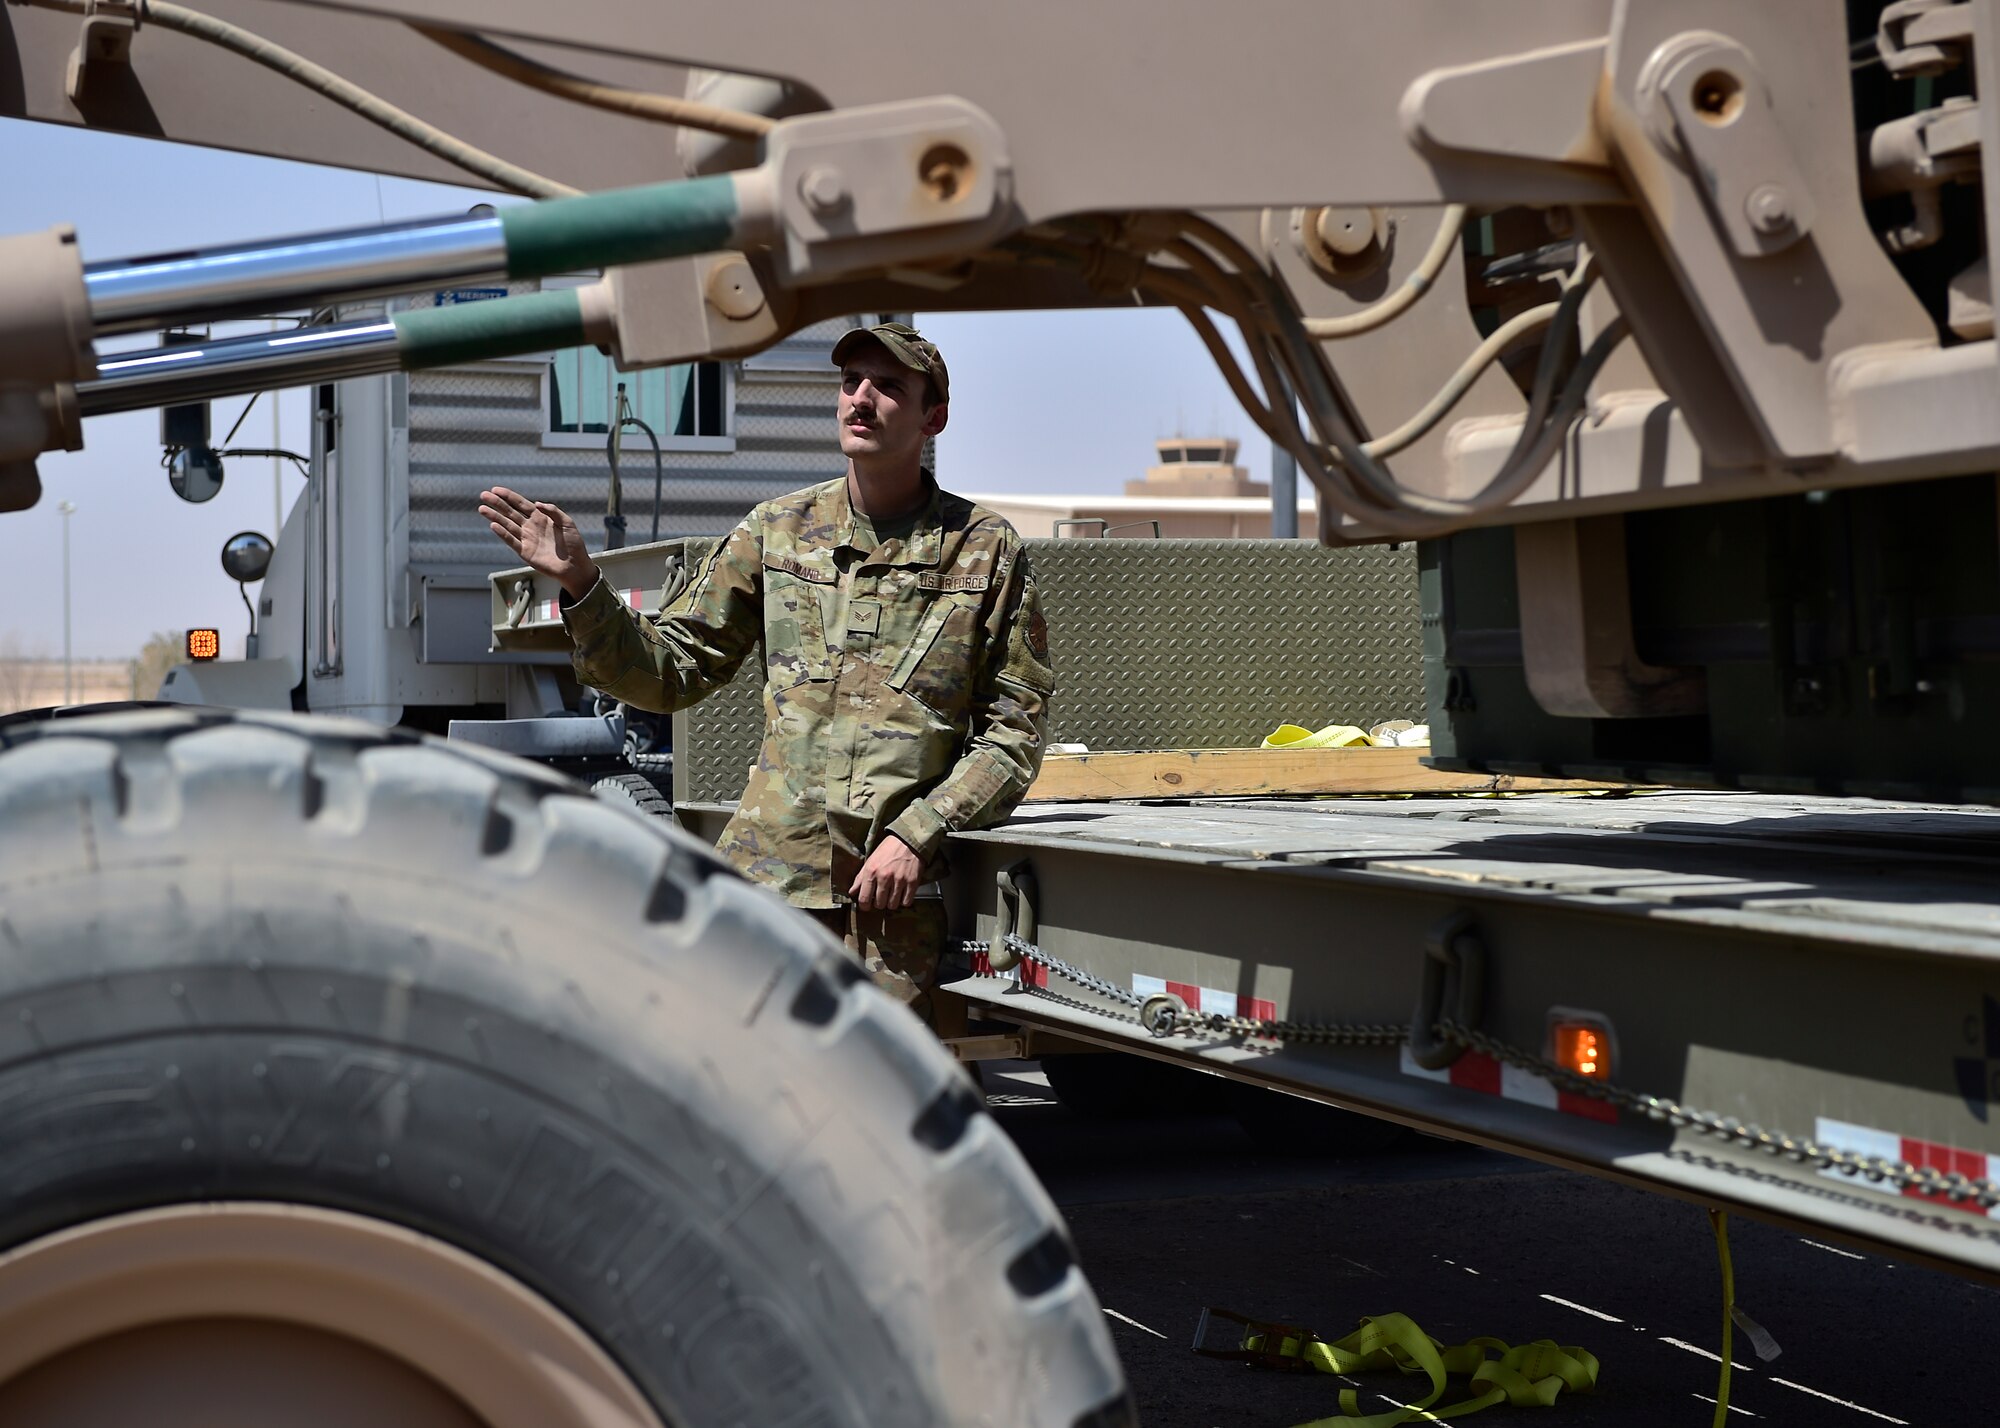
x=543, y=535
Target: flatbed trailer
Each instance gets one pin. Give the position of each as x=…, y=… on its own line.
x=1764, y=966
x=1795, y=999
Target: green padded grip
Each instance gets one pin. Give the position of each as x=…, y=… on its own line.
x=481, y=331
x=629, y=225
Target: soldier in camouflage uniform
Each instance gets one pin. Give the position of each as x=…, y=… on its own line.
x=906, y=664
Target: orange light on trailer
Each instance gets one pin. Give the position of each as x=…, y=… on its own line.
x=1583, y=1047
x=204, y=644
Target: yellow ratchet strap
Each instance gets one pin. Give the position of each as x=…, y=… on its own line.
x=1761, y=1342
x=1333, y=736
x=1733, y=1317
x=1527, y=1376
x=1719, y=1222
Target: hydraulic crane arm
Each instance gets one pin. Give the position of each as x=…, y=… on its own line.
x=1703, y=155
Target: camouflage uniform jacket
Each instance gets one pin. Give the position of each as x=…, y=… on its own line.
x=905, y=685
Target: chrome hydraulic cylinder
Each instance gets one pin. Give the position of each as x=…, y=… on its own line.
x=168, y=289
x=657, y=221
x=407, y=341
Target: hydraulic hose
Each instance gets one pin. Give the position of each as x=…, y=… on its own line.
x=659, y=108
x=1460, y=382
x=372, y=107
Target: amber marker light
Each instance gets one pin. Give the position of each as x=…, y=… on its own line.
x=204, y=644
x=1583, y=1047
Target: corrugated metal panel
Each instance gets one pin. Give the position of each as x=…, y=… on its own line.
x=1173, y=644
x=473, y=427
x=1214, y=643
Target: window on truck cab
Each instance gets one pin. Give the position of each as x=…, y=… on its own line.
x=687, y=406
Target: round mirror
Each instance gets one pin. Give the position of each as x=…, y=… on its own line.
x=195, y=473
x=246, y=556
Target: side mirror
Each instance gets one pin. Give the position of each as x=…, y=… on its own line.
x=245, y=557
x=193, y=468
x=195, y=473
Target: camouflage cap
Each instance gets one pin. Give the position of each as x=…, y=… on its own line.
x=906, y=345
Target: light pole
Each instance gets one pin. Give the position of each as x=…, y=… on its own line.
x=277, y=462
x=68, y=509
x=1284, y=480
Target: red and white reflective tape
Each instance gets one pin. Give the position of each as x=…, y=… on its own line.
x=1926, y=1154
x=1476, y=1071
x=1207, y=999
x=635, y=599
x=1210, y=1000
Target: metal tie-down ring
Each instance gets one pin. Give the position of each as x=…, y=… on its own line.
x=1454, y=974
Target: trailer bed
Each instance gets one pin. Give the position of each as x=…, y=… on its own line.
x=1806, y=986
x=1920, y=876
x=1800, y=997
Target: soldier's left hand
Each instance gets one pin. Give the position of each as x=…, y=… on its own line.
x=889, y=878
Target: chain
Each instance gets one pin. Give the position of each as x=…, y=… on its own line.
x=1899, y=1173
x=1168, y=1016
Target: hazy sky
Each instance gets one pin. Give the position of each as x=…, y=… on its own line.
x=1027, y=413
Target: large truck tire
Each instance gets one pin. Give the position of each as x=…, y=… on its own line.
x=634, y=791
x=350, y=1077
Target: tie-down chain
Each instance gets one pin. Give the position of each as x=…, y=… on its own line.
x=1164, y=1015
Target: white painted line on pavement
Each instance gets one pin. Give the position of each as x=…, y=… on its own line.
x=1584, y=1309
x=1424, y=1415
x=1698, y=1349
x=1133, y=1322
x=1844, y=1254
x=1842, y=1402
x=1732, y=1407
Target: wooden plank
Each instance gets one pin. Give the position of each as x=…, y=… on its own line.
x=1243, y=773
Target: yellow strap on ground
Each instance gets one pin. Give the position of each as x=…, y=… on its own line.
x=1719, y=1221
x=1333, y=736
x=1526, y=1375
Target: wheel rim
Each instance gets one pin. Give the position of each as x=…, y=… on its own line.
x=258, y=1312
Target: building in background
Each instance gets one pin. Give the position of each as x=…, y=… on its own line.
x=34, y=682
x=1195, y=490
x=1203, y=467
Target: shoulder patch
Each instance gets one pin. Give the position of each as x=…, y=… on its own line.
x=1038, y=634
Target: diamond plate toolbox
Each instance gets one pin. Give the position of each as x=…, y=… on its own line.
x=1169, y=644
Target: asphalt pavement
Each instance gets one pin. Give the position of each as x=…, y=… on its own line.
x=1178, y=1210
